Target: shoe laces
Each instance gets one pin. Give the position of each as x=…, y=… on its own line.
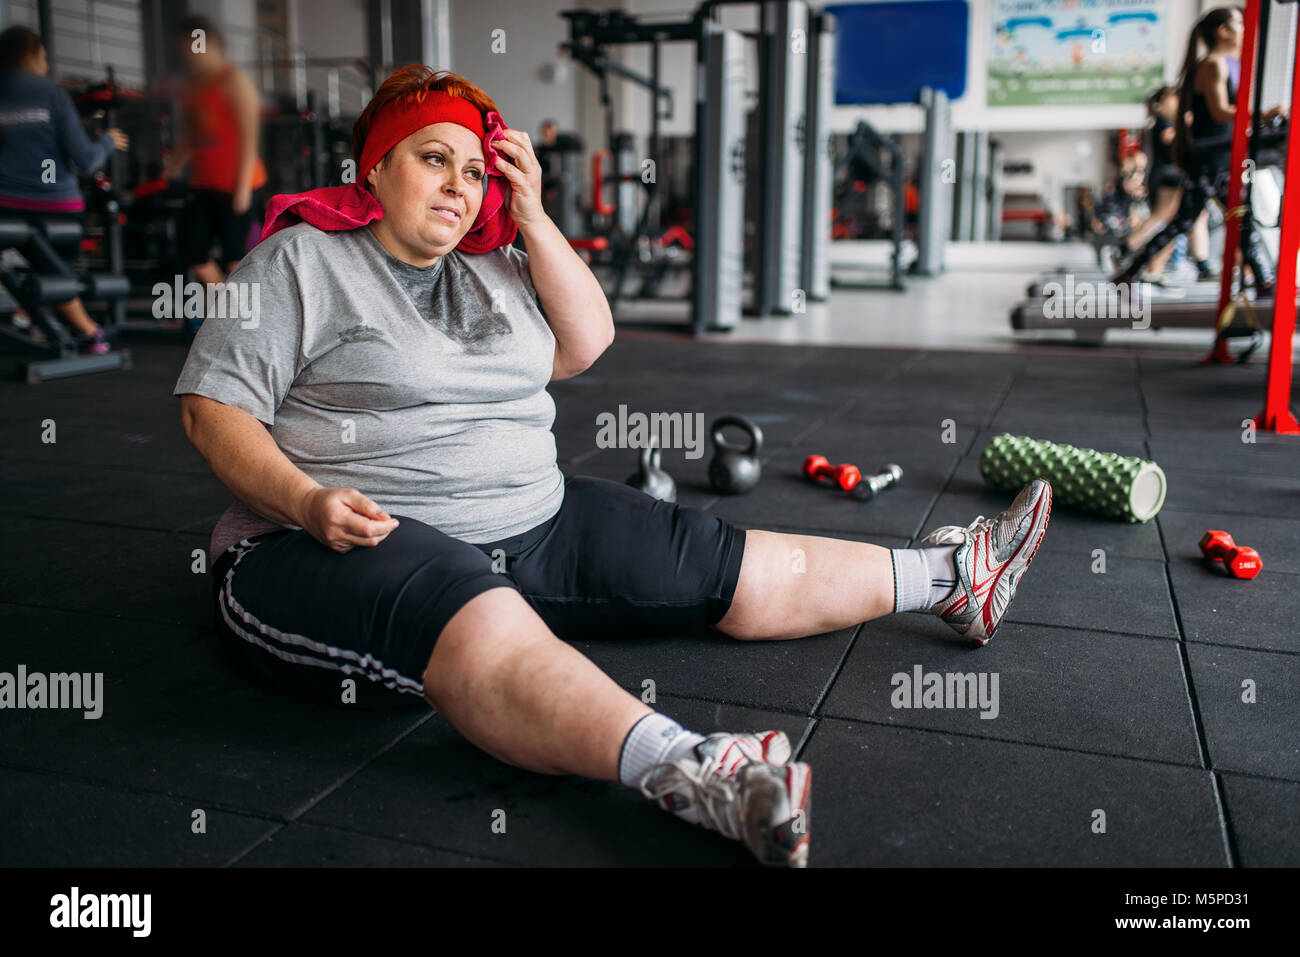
x=714, y=794
x=958, y=534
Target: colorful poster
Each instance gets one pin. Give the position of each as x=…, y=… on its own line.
x=1075, y=52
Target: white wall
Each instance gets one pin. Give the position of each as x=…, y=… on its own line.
x=522, y=80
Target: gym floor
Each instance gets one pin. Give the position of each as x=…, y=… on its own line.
x=1124, y=735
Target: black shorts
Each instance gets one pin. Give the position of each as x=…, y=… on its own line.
x=611, y=562
x=210, y=219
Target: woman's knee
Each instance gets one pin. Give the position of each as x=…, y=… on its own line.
x=488, y=632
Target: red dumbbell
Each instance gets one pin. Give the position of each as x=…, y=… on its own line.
x=1239, y=560
x=819, y=469
x=850, y=478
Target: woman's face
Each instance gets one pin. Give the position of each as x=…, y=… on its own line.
x=1233, y=32
x=431, y=188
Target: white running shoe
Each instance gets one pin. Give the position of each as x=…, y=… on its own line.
x=991, y=557
x=741, y=786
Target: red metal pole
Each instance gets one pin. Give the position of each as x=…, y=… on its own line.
x=1232, y=228
x=1277, y=415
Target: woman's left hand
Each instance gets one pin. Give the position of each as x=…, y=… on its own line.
x=523, y=171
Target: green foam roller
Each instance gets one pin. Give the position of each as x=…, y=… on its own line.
x=1105, y=483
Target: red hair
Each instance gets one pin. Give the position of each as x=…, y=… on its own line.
x=412, y=83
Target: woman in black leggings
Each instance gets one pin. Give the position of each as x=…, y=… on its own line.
x=1203, y=148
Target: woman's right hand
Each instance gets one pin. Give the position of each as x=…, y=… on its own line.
x=120, y=140
x=343, y=518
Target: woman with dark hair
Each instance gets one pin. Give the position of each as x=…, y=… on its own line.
x=218, y=142
x=41, y=142
x=1165, y=185
x=403, y=346
x=1207, y=109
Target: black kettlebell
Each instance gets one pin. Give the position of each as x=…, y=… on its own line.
x=735, y=470
x=652, y=479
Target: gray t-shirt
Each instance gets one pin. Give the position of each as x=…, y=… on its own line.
x=424, y=389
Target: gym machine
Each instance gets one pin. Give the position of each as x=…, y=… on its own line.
x=870, y=160
x=797, y=57
x=47, y=349
x=978, y=215
x=935, y=219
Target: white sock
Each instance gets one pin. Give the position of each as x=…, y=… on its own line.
x=655, y=739
x=923, y=576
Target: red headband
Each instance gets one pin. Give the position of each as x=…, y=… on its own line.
x=401, y=117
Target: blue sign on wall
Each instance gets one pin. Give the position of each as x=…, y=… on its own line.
x=885, y=52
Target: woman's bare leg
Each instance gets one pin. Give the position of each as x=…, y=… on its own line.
x=1166, y=207
x=796, y=585
x=1199, y=240
x=75, y=313
x=514, y=689
x=1161, y=259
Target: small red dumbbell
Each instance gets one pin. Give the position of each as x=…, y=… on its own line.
x=820, y=470
x=849, y=477
x=1239, y=560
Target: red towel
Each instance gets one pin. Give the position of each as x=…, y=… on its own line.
x=351, y=206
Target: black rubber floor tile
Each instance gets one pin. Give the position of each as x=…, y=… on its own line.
x=190, y=725
x=774, y=675
x=582, y=423
x=929, y=799
x=709, y=366
x=876, y=378
x=1263, y=815
x=927, y=452
x=937, y=365
x=1185, y=394
x=305, y=845
x=1106, y=399
x=1275, y=496
x=1069, y=530
x=1276, y=539
x=1029, y=419
x=1050, y=369
x=1227, y=420
x=784, y=495
x=103, y=439
x=846, y=363
x=436, y=788
x=52, y=821
x=1082, y=690
x=1259, y=736
x=106, y=570
x=915, y=404
x=1223, y=452
x=1252, y=613
x=618, y=465
x=52, y=640
x=777, y=398
x=145, y=499
x=1131, y=597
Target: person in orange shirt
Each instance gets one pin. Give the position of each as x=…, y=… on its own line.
x=218, y=140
